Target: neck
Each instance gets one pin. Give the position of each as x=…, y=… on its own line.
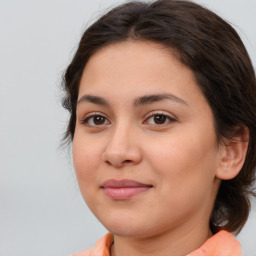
x=175, y=243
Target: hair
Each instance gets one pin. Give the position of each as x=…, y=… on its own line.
x=213, y=50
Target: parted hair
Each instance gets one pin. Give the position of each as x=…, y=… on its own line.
x=213, y=50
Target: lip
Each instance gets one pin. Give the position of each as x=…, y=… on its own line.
x=123, y=189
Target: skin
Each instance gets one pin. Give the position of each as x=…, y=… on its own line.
x=179, y=156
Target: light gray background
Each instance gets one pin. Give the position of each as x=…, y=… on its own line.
x=41, y=210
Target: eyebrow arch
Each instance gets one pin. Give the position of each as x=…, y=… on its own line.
x=149, y=99
x=93, y=99
x=140, y=101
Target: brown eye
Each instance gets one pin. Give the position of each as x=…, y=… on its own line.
x=95, y=120
x=98, y=120
x=160, y=119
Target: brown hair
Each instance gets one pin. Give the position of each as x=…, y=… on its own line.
x=212, y=49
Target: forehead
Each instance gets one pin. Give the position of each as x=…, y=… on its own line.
x=132, y=53
x=134, y=68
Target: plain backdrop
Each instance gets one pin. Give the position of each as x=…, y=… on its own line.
x=41, y=210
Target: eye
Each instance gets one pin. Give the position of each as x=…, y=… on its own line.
x=159, y=119
x=95, y=120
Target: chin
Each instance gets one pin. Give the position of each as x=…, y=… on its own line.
x=133, y=230
x=128, y=233
x=125, y=228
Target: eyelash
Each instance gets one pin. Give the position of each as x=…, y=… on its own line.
x=168, y=118
x=86, y=119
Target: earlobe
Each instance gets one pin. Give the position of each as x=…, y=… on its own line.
x=232, y=156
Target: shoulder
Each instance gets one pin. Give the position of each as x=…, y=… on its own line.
x=101, y=248
x=223, y=243
x=84, y=253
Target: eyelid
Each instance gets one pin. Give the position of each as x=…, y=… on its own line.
x=160, y=112
x=90, y=115
x=171, y=117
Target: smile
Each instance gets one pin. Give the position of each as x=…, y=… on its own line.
x=123, y=189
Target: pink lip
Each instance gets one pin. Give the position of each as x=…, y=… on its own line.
x=123, y=189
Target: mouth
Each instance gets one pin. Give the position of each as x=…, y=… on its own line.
x=123, y=189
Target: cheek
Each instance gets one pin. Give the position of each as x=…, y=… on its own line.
x=185, y=169
x=86, y=160
x=184, y=156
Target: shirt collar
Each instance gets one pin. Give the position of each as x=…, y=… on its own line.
x=223, y=243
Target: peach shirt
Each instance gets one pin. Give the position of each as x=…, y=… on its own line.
x=221, y=244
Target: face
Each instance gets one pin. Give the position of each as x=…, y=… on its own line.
x=144, y=148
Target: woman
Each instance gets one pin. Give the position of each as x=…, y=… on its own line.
x=162, y=105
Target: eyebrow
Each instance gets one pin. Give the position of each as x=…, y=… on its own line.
x=140, y=101
x=93, y=99
x=149, y=99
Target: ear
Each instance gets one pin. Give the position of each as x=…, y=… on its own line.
x=232, y=155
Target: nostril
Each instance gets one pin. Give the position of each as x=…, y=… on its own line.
x=108, y=162
x=127, y=161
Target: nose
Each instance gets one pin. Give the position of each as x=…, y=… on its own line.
x=122, y=148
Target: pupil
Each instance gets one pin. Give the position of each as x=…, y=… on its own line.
x=159, y=119
x=98, y=120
